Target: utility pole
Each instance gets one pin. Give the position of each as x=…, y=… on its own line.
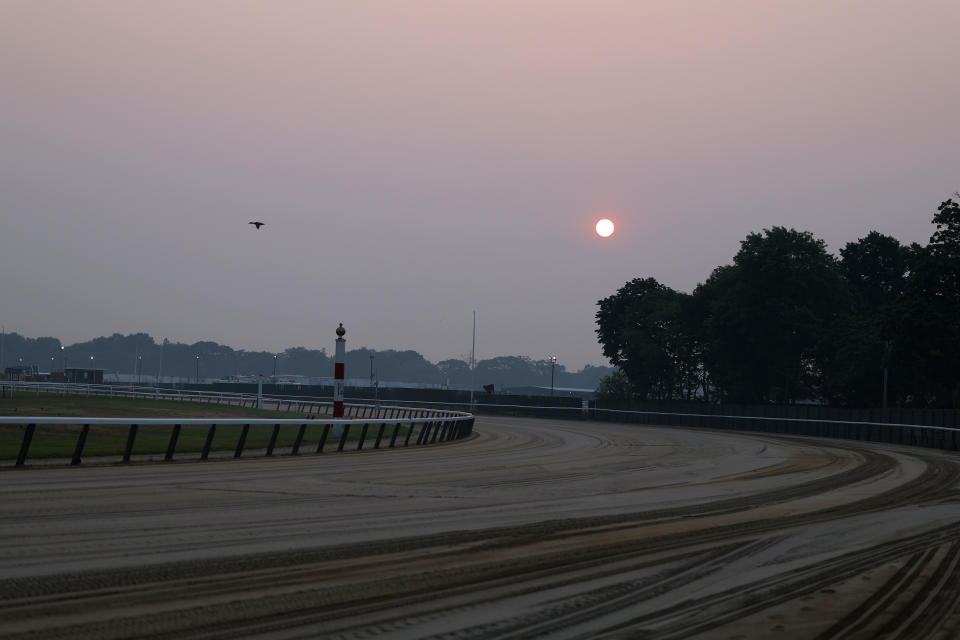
x=886, y=350
x=473, y=358
x=375, y=387
x=885, y=394
x=160, y=365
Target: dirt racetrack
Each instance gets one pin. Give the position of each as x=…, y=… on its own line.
x=533, y=528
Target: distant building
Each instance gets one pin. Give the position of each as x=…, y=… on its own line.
x=29, y=372
x=83, y=376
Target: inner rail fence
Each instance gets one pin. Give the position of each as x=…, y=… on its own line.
x=385, y=426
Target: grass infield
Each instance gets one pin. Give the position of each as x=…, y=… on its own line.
x=58, y=441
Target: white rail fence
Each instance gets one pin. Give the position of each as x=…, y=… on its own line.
x=395, y=426
x=930, y=436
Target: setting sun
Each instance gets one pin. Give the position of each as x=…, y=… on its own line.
x=604, y=228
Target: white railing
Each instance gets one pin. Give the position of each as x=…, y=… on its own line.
x=427, y=424
x=897, y=433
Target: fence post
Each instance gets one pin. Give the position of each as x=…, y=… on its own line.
x=323, y=438
x=25, y=444
x=299, y=440
x=130, y=438
x=242, y=441
x=174, y=435
x=273, y=439
x=81, y=440
x=393, y=438
x=363, y=436
x=406, y=442
x=209, y=442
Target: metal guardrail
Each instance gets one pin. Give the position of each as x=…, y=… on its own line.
x=930, y=436
x=127, y=391
x=429, y=425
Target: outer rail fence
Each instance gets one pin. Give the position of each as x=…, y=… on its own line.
x=357, y=407
x=930, y=436
x=310, y=405
x=909, y=434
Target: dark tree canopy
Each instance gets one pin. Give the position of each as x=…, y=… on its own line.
x=646, y=331
x=876, y=269
x=789, y=322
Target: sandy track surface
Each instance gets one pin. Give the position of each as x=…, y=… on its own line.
x=533, y=528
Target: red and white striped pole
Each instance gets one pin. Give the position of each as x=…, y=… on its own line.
x=339, y=355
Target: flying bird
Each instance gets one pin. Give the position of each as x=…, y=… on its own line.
x=257, y=224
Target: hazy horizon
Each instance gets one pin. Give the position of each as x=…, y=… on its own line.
x=414, y=162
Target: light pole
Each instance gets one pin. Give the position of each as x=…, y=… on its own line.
x=374, y=386
x=198, y=368
x=63, y=356
x=886, y=357
x=473, y=359
x=139, y=367
x=274, y=377
x=160, y=363
x=553, y=364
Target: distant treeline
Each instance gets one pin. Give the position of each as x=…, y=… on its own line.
x=788, y=322
x=140, y=354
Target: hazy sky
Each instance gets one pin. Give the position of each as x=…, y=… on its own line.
x=415, y=161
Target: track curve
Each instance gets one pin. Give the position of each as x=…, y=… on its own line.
x=530, y=528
